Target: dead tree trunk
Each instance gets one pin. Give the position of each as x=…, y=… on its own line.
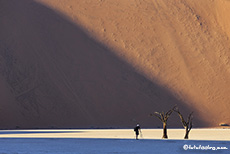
x=165, y=135
x=186, y=124
x=187, y=130
x=163, y=117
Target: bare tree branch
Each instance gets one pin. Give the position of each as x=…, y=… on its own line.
x=184, y=123
x=156, y=114
x=189, y=117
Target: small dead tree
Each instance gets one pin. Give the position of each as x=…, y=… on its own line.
x=163, y=117
x=186, y=124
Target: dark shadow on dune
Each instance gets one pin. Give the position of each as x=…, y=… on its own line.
x=61, y=76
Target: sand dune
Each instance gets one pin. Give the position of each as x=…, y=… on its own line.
x=89, y=63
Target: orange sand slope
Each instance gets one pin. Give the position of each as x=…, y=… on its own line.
x=102, y=63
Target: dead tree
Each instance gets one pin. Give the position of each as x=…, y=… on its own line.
x=163, y=117
x=186, y=124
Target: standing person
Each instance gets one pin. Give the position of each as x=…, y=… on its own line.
x=137, y=129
